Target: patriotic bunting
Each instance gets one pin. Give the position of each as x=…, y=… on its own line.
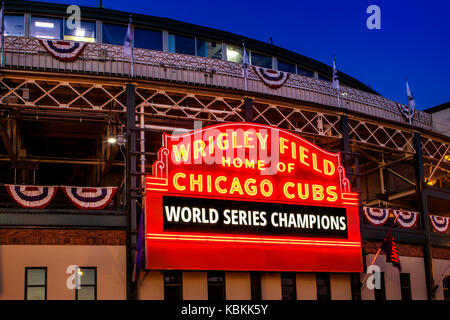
x=379, y=216
x=65, y=51
x=440, y=224
x=89, y=197
x=271, y=78
x=406, y=112
x=376, y=216
x=31, y=196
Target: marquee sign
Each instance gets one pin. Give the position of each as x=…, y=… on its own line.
x=245, y=196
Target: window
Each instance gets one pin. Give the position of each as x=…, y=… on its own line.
x=405, y=285
x=148, y=39
x=446, y=287
x=260, y=60
x=286, y=66
x=356, y=286
x=305, y=72
x=172, y=285
x=210, y=49
x=181, y=44
x=321, y=77
x=255, y=280
x=288, y=286
x=86, y=32
x=114, y=34
x=323, y=286
x=234, y=54
x=380, y=294
x=216, y=285
x=36, y=283
x=88, y=284
x=14, y=25
x=46, y=28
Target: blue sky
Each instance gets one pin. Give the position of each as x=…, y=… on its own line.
x=414, y=40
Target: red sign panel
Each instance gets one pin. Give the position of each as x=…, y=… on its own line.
x=244, y=196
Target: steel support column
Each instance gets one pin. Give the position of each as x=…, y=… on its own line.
x=423, y=209
x=248, y=106
x=131, y=184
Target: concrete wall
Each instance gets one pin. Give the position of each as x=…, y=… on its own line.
x=270, y=286
x=412, y=265
x=109, y=260
x=195, y=285
x=441, y=121
x=341, y=288
x=306, y=286
x=238, y=286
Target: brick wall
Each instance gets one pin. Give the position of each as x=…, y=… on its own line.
x=37, y=236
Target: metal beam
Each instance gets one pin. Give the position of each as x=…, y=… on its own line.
x=423, y=205
x=7, y=141
x=400, y=176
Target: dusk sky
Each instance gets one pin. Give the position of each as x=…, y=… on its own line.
x=414, y=40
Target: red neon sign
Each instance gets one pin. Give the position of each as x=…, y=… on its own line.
x=244, y=196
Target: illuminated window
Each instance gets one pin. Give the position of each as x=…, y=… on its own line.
x=36, y=283
x=255, y=279
x=172, y=285
x=181, y=44
x=14, y=25
x=405, y=285
x=46, y=28
x=380, y=294
x=260, y=60
x=216, y=285
x=85, y=33
x=305, y=72
x=286, y=66
x=148, y=39
x=114, y=34
x=288, y=286
x=210, y=49
x=88, y=284
x=234, y=54
x=323, y=286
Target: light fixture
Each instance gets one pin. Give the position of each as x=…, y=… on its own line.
x=42, y=24
x=112, y=140
x=231, y=53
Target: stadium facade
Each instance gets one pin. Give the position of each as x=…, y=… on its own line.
x=82, y=128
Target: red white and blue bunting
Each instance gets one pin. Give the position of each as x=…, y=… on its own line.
x=65, y=51
x=406, y=112
x=31, y=196
x=89, y=197
x=440, y=224
x=271, y=78
x=379, y=216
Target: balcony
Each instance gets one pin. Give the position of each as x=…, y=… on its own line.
x=108, y=60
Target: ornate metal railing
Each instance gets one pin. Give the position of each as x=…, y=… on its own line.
x=28, y=53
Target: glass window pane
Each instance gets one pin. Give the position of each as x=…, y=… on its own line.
x=234, y=54
x=261, y=60
x=36, y=293
x=148, y=39
x=286, y=66
x=114, y=34
x=14, y=25
x=181, y=44
x=210, y=49
x=87, y=276
x=86, y=32
x=46, y=28
x=86, y=293
x=321, y=77
x=305, y=72
x=36, y=277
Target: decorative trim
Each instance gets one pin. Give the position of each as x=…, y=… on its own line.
x=89, y=197
x=271, y=78
x=379, y=216
x=405, y=111
x=65, y=51
x=440, y=224
x=31, y=196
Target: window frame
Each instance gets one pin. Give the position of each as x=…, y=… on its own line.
x=83, y=20
x=222, y=285
x=408, y=295
x=24, y=23
x=88, y=285
x=286, y=275
x=251, y=52
x=34, y=286
x=48, y=17
x=180, y=284
x=147, y=29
